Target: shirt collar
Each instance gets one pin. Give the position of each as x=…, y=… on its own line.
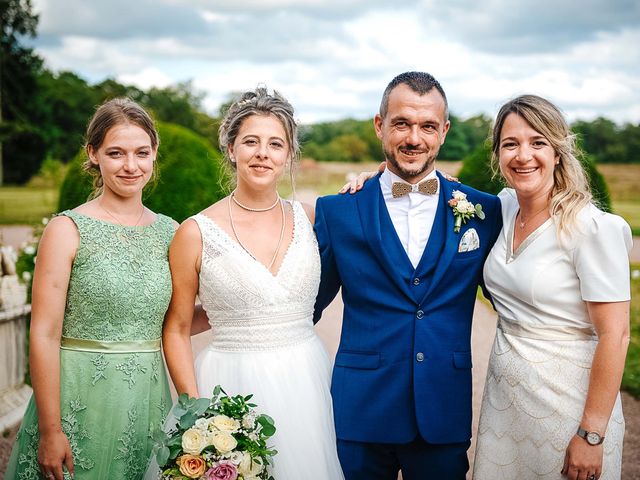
x=388, y=177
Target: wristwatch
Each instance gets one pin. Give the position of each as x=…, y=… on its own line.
x=592, y=438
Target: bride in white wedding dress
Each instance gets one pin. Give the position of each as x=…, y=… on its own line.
x=252, y=259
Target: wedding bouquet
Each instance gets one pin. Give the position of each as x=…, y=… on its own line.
x=221, y=438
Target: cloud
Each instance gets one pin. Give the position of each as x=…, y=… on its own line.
x=117, y=19
x=333, y=59
x=504, y=26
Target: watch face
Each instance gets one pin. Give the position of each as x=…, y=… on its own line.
x=593, y=438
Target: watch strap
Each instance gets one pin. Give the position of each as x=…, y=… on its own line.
x=584, y=434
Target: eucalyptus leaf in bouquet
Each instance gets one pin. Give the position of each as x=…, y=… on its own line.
x=217, y=438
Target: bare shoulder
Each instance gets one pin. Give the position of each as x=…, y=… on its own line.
x=310, y=211
x=218, y=210
x=61, y=237
x=61, y=228
x=188, y=232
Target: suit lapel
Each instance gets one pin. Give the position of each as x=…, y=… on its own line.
x=370, y=202
x=451, y=239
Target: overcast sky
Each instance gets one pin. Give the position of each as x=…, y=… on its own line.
x=333, y=58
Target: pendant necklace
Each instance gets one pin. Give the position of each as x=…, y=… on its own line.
x=235, y=234
x=116, y=218
x=522, y=222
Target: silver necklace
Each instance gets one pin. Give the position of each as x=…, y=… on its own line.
x=116, y=218
x=522, y=222
x=237, y=202
x=235, y=234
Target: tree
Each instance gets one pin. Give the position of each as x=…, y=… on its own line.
x=191, y=176
x=476, y=171
x=19, y=68
x=66, y=101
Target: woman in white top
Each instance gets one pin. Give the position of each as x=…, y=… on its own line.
x=559, y=278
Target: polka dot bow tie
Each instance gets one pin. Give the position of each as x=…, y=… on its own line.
x=428, y=187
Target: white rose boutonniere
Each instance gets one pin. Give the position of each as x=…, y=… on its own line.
x=463, y=209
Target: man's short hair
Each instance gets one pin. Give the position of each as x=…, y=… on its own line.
x=419, y=82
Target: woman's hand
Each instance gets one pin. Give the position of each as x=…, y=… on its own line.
x=356, y=184
x=582, y=460
x=54, y=451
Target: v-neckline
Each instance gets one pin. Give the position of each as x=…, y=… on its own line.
x=511, y=255
x=248, y=255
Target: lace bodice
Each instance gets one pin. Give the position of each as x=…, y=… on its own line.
x=120, y=283
x=248, y=307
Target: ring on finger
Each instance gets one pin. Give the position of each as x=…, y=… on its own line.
x=592, y=477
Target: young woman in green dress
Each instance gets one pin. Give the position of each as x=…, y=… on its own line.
x=101, y=288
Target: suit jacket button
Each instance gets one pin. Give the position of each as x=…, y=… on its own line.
x=416, y=281
x=419, y=314
x=420, y=356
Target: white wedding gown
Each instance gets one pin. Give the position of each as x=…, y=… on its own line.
x=264, y=343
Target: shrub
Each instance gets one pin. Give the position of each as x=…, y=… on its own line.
x=190, y=176
x=476, y=172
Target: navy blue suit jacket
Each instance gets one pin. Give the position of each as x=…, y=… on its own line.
x=403, y=367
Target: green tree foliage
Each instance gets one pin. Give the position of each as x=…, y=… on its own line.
x=21, y=142
x=66, y=103
x=190, y=176
x=343, y=141
x=608, y=142
x=597, y=183
x=476, y=172
x=181, y=104
x=464, y=136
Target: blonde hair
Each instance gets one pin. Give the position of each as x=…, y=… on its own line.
x=260, y=102
x=117, y=111
x=570, y=192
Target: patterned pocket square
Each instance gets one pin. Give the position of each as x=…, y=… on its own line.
x=469, y=241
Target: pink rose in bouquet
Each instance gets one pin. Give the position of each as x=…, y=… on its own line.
x=222, y=471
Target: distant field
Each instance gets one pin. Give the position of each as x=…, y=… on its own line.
x=631, y=377
x=328, y=177
x=624, y=185
x=25, y=205
x=623, y=181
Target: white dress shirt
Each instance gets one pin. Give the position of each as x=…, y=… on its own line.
x=412, y=214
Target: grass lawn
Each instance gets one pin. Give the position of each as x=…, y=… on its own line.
x=630, y=211
x=631, y=377
x=26, y=205
x=623, y=181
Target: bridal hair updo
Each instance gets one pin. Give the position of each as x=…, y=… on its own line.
x=117, y=111
x=570, y=191
x=259, y=102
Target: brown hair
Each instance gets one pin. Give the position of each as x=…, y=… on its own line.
x=117, y=111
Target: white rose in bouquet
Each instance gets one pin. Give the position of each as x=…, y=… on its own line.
x=226, y=424
x=193, y=441
x=223, y=441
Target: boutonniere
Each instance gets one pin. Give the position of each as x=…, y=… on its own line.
x=463, y=209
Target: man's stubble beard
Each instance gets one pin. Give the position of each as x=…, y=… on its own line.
x=405, y=174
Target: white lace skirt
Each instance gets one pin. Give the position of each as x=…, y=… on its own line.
x=532, y=405
x=292, y=385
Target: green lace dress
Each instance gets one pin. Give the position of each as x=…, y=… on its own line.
x=113, y=385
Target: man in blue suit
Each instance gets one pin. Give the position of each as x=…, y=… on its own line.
x=402, y=377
